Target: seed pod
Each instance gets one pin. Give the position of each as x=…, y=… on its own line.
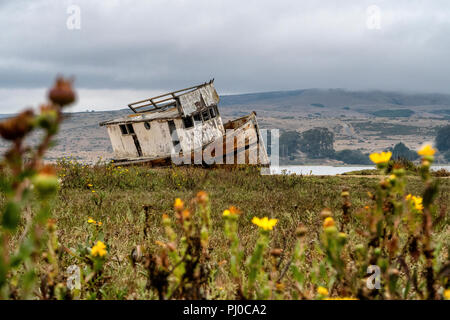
x=51, y=225
x=136, y=255
x=62, y=93
x=325, y=213
x=45, y=184
x=171, y=246
x=393, y=272
x=202, y=197
x=17, y=127
x=342, y=237
x=345, y=193
x=276, y=252
x=384, y=184
x=377, y=251
x=48, y=117
x=331, y=230
x=301, y=230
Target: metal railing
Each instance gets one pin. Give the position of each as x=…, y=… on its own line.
x=163, y=100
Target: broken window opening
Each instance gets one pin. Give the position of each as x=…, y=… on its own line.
x=188, y=122
x=173, y=133
x=147, y=125
x=130, y=128
x=123, y=129
x=212, y=112
x=197, y=117
x=205, y=115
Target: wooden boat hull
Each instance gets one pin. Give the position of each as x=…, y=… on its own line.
x=242, y=144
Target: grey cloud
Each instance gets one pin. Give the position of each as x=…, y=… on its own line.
x=246, y=45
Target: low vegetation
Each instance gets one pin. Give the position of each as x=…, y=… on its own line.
x=443, y=139
x=397, y=113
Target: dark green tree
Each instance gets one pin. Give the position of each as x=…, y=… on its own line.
x=443, y=139
x=447, y=155
x=401, y=151
x=289, y=143
x=352, y=157
x=317, y=143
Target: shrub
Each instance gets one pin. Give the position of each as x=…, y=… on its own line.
x=397, y=113
x=352, y=157
x=317, y=142
x=443, y=139
x=24, y=177
x=401, y=151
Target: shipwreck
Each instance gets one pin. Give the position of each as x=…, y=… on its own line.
x=185, y=127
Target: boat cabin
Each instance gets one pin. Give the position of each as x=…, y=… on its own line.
x=178, y=121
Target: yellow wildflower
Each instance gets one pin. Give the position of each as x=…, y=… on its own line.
x=99, y=249
x=90, y=220
x=226, y=213
x=328, y=222
x=322, y=291
x=178, y=204
x=426, y=150
x=89, y=185
x=447, y=294
x=418, y=203
x=93, y=191
x=99, y=223
x=265, y=223
x=382, y=157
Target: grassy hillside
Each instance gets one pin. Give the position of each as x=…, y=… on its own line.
x=336, y=98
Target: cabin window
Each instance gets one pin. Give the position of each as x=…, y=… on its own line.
x=147, y=125
x=197, y=117
x=212, y=112
x=205, y=115
x=123, y=129
x=188, y=122
x=173, y=133
x=130, y=128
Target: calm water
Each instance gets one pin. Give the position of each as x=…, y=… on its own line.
x=327, y=170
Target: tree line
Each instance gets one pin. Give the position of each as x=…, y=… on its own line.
x=318, y=143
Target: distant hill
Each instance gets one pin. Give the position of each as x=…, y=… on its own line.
x=367, y=121
x=336, y=98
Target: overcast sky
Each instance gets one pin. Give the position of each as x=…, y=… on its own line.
x=128, y=50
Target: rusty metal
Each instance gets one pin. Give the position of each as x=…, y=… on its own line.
x=174, y=95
